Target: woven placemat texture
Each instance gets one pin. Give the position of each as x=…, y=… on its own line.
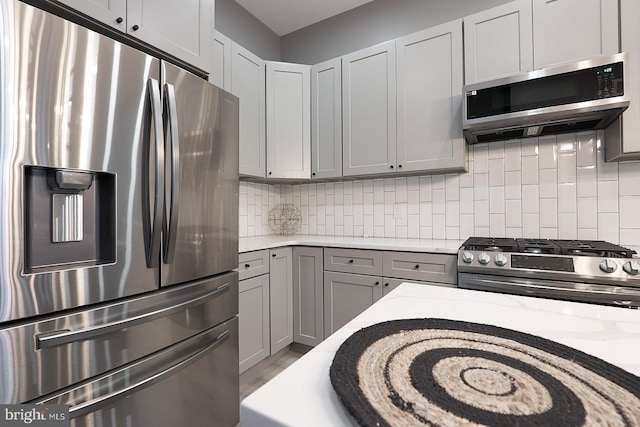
x=444, y=372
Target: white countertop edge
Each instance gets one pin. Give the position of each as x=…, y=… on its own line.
x=302, y=394
x=248, y=244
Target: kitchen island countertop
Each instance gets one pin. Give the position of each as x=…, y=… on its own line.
x=248, y=244
x=302, y=394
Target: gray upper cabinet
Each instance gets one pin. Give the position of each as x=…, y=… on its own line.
x=498, y=42
x=326, y=119
x=110, y=12
x=281, y=298
x=248, y=84
x=181, y=29
x=622, y=140
x=369, y=110
x=221, y=62
x=593, y=30
x=429, y=79
x=288, y=108
x=308, y=317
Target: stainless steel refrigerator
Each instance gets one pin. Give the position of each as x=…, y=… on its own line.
x=118, y=230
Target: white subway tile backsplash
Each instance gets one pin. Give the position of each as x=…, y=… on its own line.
x=512, y=156
x=555, y=187
x=547, y=152
x=529, y=170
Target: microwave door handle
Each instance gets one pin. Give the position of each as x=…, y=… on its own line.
x=100, y=402
x=173, y=208
x=66, y=336
x=155, y=228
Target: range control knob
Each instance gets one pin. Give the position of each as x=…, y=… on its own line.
x=467, y=257
x=500, y=260
x=632, y=267
x=484, y=258
x=608, y=266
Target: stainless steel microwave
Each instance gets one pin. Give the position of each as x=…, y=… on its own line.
x=584, y=95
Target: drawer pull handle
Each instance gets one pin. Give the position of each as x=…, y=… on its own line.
x=247, y=265
x=350, y=261
x=273, y=255
x=377, y=283
x=417, y=266
x=386, y=284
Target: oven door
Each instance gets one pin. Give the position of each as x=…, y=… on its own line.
x=572, y=291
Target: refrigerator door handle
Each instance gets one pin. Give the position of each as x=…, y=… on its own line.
x=173, y=207
x=100, y=402
x=66, y=336
x=155, y=228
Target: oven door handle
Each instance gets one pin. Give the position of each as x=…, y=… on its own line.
x=602, y=293
x=66, y=336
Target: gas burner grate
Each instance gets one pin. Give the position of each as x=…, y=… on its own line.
x=491, y=244
x=538, y=246
x=593, y=248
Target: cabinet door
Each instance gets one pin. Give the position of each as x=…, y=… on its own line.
x=281, y=299
x=429, y=72
x=253, y=316
x=369, y=110
x=110, y=12
x=622, y=139
x=308, y=319
x=183, y=29
x=346, y=296
x=288, y=120
x=247, y=83
x=498, y=42
x=326, y=119
x=221, y=62
x=570, y=30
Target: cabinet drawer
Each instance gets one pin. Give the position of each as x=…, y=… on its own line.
x=420, y=266
x=252, y=264
x=353, y=261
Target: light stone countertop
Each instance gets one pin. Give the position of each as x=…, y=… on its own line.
x=248, y=244
x=302, y=394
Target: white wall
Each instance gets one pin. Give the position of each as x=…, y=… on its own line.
x=555, y=187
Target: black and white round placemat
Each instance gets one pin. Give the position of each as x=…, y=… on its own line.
x=444, y=372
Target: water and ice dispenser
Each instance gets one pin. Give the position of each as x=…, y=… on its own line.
x=70, y=218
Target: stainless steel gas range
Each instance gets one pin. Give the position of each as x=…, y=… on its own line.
x=584, y=271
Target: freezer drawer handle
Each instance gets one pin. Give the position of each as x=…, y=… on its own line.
x=102, y=401
x=66, y=336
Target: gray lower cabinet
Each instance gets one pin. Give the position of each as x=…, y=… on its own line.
x=308, y=316
x=253, y=321
x=425, y=267
x=347, y=295
x=389, y=284
x=281, y=298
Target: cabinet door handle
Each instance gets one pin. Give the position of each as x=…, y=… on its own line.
x=247, y=265
x=119, y=20
x=350, y=261
x=135, y=28
x=417, y=266
x=391, y=166
x=376, y=284
x=273, y=255
x=400, y=166
x=386, y=284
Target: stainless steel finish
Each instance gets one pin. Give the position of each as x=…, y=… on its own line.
x=467, y=257
x=171, y=111
x=146, y=314
x=155, y=230
x=587, y=269
x=484, y=258
x=574, y=291
x=91, y=122
x=207, y=224
x=605, y=109
x=169, y=388
x=67, y=217
x=26, y=372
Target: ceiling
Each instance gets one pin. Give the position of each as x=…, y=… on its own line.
x=286, y=16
